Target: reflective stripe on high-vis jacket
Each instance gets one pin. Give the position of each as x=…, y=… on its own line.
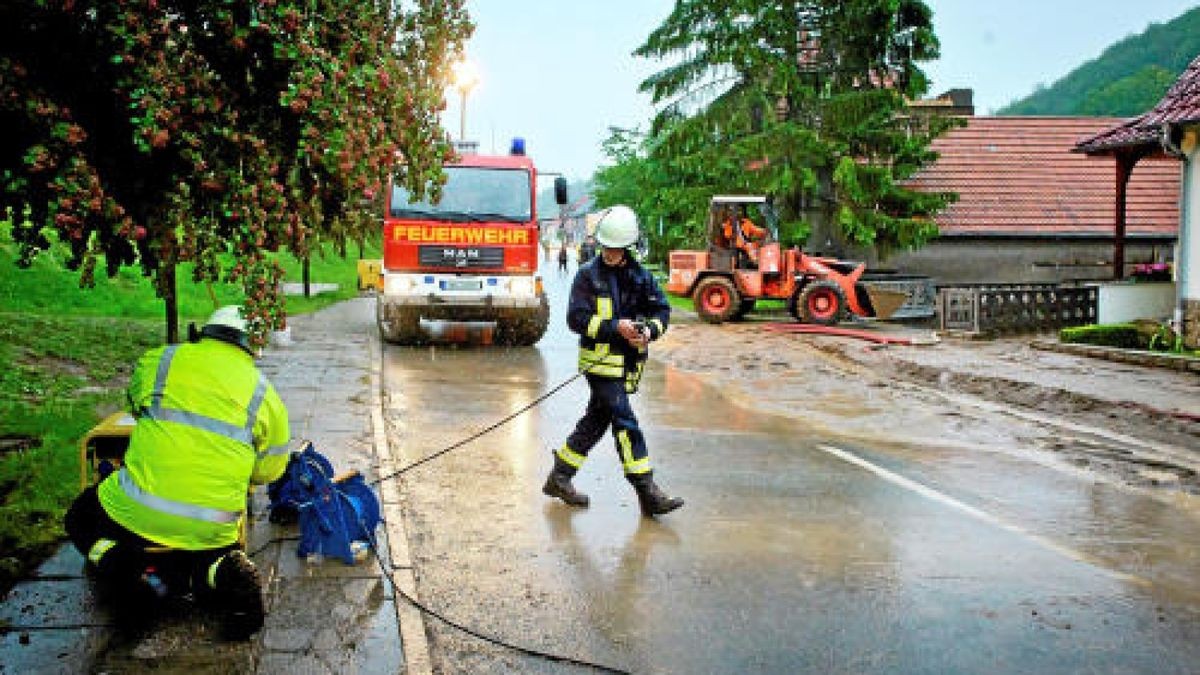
x=600, y=361
x=208, y=424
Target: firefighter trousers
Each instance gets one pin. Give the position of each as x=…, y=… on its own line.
x=123, y=559
x=607, y=407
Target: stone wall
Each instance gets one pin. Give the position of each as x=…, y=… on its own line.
x=1002, y=260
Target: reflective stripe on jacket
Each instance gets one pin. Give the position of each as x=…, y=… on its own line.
x=602, y=295
x=208, y=424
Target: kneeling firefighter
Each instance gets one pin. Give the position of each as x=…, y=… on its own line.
x=617, y=309
x=167, y=522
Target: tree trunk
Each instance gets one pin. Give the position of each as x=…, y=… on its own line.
x=170, y=302
x=307, y=289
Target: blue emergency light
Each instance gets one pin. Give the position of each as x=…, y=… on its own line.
x=518, y=147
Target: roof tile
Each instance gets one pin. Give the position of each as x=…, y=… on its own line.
x=1180, y=104
x=1019, y=175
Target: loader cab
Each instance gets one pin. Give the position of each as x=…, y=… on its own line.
x=725, y=252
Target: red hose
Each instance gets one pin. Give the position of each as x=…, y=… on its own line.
x=871, y=336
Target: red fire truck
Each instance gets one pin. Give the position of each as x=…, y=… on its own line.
x=473, y=256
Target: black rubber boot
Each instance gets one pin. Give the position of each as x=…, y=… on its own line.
x=653, y=500
x=558, y=484
x=239, y=592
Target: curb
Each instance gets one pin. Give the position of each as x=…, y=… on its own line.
x=413, y=639
x=1130, y=356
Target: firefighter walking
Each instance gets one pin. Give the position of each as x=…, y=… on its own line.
x=167, y=522
x=617, y=309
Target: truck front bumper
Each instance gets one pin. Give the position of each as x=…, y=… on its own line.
x=460, y=298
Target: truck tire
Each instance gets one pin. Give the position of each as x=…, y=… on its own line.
x=821, y=302
x=404, y=328
x=716, y=299
x=524, y=329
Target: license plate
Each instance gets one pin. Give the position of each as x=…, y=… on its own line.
x=461, y=284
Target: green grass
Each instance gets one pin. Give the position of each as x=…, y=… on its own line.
x=1144, y=336
x=67, y=354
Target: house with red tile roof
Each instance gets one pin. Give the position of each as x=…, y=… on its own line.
x=1172, y=129
x=1030, y=210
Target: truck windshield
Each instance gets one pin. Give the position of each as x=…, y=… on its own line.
x=472, y=194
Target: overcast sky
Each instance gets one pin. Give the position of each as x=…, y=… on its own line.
x=560, y=72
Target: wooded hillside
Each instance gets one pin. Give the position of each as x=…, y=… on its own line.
x=1126, y=80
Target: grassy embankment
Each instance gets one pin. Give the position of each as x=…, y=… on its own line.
x=65, y=357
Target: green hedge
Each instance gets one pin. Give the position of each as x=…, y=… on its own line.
x=1122, y=335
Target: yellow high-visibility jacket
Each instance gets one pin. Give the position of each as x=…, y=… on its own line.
x=208, y=424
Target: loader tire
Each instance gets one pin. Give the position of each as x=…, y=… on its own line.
x=716, y=300
x=821, y=303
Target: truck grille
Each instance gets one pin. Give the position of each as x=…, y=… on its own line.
x=461, y=257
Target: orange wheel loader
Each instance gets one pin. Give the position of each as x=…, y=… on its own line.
x=725, y=280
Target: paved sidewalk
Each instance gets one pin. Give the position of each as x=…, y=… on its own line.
x=328, y=618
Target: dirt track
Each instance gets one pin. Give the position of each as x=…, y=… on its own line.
x=1134, y=425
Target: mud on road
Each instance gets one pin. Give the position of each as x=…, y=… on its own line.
x=1133, y=425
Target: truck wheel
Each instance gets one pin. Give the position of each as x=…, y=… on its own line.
x=404, y=328
x=716, y=300
x=821, y=302
x=525, y=329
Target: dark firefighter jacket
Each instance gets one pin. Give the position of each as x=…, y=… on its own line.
x=600, y=296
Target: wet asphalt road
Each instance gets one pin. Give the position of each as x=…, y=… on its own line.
x=794, y=553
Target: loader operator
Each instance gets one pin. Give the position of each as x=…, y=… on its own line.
x=208, y=425
x=747, y=238
x=617, y=309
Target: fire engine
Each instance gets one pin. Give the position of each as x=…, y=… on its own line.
x=472, y=256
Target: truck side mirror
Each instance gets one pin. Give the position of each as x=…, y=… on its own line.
x=560, y=191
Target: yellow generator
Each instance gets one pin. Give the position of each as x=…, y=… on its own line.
x=102, y=450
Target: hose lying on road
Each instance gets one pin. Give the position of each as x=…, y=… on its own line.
x=490, y=428
x=431, y=612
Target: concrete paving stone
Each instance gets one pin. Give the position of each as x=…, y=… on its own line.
x=326, y=639
x=66, y=562
x=287, y=639
x=316, y=602
x=51, y=603
x=291, y=566
x=380, y=650
x=356, y=632
x=50, y=651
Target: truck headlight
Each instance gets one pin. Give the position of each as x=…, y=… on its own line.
x=521, y=286
x=398, y=285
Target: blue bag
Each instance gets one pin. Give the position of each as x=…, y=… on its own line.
x=336, y=518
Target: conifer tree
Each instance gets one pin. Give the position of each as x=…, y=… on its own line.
x=800, y=99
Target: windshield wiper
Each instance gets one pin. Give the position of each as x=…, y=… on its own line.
x=505, y=217
x=411, y=213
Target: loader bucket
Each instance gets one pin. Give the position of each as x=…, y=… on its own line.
x=881, y=302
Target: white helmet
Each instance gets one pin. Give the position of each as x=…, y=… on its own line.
x=228, y=325
x=617, y=227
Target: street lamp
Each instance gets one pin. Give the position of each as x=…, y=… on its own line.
x=466, y=76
